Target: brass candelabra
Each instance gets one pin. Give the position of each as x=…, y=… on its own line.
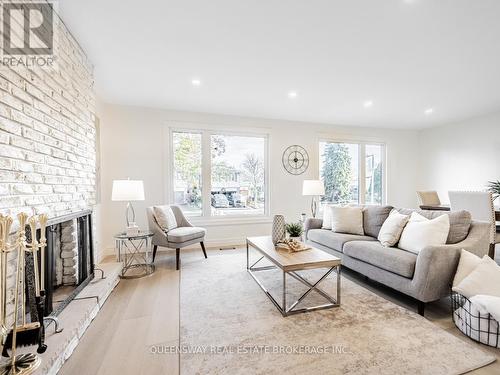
x=20, y=332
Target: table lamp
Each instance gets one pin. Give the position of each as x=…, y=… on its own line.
x=128, y=191
x=313, y=188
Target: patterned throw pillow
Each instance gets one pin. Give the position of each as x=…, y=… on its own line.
x=165, y=217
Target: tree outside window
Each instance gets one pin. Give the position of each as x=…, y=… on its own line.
x=341, y=173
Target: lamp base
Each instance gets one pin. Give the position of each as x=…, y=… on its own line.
x=132, y=230
x=314, y=207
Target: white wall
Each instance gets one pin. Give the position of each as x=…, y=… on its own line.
x=462, y=156
x=134, y=144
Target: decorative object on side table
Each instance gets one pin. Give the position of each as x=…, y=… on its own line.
x=295, y=160
x=128, y=191
x=313, y=188
x=133, y=251
x=279, y=229
x=294, y=230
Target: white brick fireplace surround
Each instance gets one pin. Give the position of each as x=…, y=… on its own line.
x=48, y=134
x=48, y=141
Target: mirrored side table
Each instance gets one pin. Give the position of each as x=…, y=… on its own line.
x=134, y=252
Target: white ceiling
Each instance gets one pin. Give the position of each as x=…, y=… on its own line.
x=404, y=55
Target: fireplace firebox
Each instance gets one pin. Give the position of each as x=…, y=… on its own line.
x=69, y=261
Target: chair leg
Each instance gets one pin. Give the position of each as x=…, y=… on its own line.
x=177, y=258
x=155, y=247
x=203, y=248
x=421, y=307
x=491, y=252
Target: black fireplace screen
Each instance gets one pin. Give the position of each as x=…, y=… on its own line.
x=69, y=261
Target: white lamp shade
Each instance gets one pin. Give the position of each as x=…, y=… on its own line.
x=313, y=187
x=127, y=190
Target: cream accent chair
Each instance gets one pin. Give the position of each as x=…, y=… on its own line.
x=480, y=205
x=428, y=198
x=184, y=235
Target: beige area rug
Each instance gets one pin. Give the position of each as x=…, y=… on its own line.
x=229, y=326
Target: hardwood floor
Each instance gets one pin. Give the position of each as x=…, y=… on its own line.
x=138, y=314
x=144, y=312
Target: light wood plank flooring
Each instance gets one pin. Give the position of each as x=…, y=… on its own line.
x=145, y=312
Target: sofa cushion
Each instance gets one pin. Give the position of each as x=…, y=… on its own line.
x=327, y=216
x=421, y=232
x=485, y=279
x=391, y=259
x=347, y=220
x=460, y=222
x=373, y=218
x=184, y=234
x=391, y=230
x=334, y=240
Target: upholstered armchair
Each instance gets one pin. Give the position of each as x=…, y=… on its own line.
x=184, y=235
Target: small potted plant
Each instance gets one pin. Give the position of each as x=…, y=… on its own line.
x=494, y=187
x=294, y=230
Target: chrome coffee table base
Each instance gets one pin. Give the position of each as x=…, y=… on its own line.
x=291, y=309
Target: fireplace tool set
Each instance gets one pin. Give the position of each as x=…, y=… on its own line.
x=20, y=332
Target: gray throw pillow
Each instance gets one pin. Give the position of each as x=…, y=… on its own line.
x=373, y=219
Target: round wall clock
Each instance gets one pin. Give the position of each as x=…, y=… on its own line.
x=295, y=160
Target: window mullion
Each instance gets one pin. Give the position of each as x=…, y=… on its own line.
x=206, y=168
x=362, y=174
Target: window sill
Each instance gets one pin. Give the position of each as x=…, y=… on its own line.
x=229, y=220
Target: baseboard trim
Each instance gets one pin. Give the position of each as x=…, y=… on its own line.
x=210, y=244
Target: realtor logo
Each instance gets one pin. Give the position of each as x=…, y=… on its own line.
x=27, y=28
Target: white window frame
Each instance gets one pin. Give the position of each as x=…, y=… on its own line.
x=207, y=132
x=361, y=165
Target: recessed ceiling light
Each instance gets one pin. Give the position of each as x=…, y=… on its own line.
x=368, y=104
x=195, y=82
x=292, y=94
x=429, y=111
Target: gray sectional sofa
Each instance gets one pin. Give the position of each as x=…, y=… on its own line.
x=426, y=276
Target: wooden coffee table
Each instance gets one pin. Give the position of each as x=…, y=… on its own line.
x=289, y=264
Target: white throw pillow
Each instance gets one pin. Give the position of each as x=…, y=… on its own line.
x=485, y=279
x=347, y=220
x=421, y=232
x=391, y=230
x=165, y=217
x=467, y=263
x=327, y=216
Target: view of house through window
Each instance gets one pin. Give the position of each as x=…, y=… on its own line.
x=238, y=177
x=342, y=172
x=234, y=173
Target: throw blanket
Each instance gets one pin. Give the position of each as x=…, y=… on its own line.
x=478, y=327
x=487, y=304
